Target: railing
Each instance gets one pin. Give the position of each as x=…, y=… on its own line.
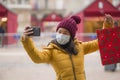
x=13, y=39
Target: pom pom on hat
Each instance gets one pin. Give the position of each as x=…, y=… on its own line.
x=70, y=24
x=77, y=19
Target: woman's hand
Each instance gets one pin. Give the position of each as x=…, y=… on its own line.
x=28, y=31
x=108, y=21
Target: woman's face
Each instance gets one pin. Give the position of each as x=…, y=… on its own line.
x=63, y=31
x=63, y=36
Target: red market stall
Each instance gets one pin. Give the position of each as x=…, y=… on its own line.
x=101, y=7
x=93, y=15
x=9, y=19
x=49, y=22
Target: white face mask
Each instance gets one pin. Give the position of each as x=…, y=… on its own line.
x=62, y=38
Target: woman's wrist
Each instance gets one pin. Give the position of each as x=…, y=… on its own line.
x=24, y=37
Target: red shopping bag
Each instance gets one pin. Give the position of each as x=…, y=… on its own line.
x=109, y=45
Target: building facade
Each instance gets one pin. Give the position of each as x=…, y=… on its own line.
x=25, y=8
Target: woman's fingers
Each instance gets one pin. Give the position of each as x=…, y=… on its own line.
x=108, y=21
x=28, y=31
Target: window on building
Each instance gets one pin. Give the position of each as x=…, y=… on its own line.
x=12, y=1
x=100, y=5
x=46, y=3
x=116, y=2
x=19, y=2
x=27, y=1
x=59, y=4
x=35, y=5
x=87, y=2
x=3, y=1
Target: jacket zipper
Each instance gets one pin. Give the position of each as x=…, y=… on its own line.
x=59, y=78
x=73, y=67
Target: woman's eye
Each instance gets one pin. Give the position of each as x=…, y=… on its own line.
x=59, y=32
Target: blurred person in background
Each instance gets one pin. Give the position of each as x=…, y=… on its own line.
x=2, y=31
x=1, y=28
x=65, y=53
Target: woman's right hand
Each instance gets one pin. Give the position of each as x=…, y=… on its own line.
x=28, y=31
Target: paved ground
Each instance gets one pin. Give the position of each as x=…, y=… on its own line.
x=16, y=65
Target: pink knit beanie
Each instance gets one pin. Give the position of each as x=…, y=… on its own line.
x=70, y=24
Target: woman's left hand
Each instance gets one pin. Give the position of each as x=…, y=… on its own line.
x=108, y=22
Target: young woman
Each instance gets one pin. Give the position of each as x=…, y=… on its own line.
x=65, y=53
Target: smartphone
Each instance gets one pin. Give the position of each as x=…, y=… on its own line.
x=36, y=31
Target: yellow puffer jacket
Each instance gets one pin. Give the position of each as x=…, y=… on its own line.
x=60, y=59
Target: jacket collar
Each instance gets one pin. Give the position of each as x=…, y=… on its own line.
x=71, y=49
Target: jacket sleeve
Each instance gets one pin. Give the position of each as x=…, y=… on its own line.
x=90, y=46
x=36, y=55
